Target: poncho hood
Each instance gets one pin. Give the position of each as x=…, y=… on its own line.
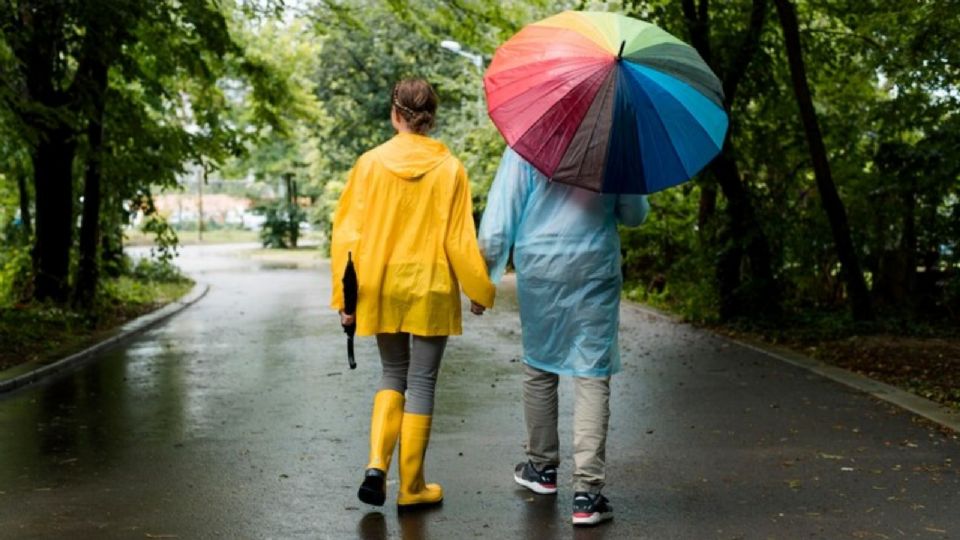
x=411, y=156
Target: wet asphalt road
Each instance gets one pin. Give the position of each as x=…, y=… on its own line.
x=239, y=419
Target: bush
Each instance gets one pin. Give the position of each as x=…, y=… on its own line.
x=166, y=241
x=15, y=274
x=159, y=270
x=282, y=226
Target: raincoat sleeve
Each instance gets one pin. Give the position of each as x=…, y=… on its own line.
x=632, y=210
x=461, y=246
x=505, y=204
x=346, y=234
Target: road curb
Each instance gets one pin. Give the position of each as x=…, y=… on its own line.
x=920, y=406
x=125, y=332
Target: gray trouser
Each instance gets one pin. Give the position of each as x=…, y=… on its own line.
x=591, y=415
x=411, y=369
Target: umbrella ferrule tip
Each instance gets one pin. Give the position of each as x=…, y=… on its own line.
x=620, y=53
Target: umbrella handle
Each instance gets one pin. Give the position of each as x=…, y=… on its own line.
x=350, y=331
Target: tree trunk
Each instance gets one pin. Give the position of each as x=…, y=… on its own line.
x=53, y=188
x=88, y=273
x=708, y=205
x=698, y=24
x=24, y=205
x=743, y=236
x=908, y=242
x=294, y=214
x=201, y=178
x=762, y=297
x=33, y=31
x=836, y=213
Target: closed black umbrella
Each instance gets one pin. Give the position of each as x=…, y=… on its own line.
x=350, y=305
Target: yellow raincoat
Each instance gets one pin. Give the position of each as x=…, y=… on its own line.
x=405, y=215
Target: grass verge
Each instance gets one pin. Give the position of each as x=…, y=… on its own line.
x=300, y=257
x=137, y=237
x=46, y=333
x=922, y=359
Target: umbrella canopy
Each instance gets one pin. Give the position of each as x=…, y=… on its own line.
x=606, y=102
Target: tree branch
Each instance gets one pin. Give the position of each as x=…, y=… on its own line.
x=745, y=53
x=703, y=11
x=867, y=39
x=699, y=31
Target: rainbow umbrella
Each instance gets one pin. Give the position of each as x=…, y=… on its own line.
x=606, y=102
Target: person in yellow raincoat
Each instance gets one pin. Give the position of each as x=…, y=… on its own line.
x=405, y=217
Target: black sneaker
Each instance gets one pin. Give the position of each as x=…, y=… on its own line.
x=373, y=489
x=590, y=509
x=542, y=481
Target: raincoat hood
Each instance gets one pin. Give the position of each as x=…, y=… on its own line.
x=411, y=156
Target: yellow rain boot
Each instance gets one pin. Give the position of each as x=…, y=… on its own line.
x=384, y=429
x=414, y=435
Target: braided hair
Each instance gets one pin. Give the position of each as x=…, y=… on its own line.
x=416, y=102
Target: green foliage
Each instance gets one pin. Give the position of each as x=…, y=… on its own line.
x=15, y=272
x=165, y=238
x=884, y=84
x=156, y=270
x=135, y=290
x=282, y=225
x=15, y=260
x=232, y=87
x=44, y=332
x=176, y=72
x=393, y=40
x=667, y=261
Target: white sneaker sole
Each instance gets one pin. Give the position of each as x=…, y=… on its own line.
x=534, y=487
x=593, y=519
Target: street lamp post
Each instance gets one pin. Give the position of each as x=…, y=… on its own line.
x=455, y=47
x=477, y=61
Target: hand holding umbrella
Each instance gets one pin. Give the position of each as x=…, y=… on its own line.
x=350, y=306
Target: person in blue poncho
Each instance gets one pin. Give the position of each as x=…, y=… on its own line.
x=566, y=251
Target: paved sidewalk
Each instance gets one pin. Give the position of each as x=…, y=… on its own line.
x=238, y=418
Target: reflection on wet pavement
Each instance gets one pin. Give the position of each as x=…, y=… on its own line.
x=238, y=418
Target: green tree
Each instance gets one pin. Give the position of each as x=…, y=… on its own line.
x=833, y=206
x=162, y=65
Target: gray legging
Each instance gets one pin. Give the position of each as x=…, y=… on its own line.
x=411, y=369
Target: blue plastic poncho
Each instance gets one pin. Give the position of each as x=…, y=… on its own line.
x=566, y=251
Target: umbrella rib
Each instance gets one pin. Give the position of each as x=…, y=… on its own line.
x=530, y=65
x=585, y=66
x=553, y=86
x=659, y=118
x=663, y=126
x=593, y=130
x=570, y=110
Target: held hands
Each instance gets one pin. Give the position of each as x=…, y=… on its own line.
x=347, y=320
